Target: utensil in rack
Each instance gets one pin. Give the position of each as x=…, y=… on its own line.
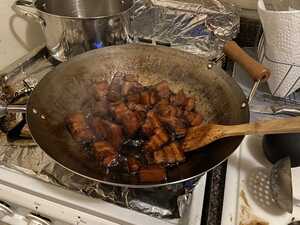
x=276, y=110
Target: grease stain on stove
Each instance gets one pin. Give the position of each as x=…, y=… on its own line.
x=243, y=197
x=254, y=222
x=246, y=215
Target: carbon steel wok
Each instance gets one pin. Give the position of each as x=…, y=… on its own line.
x=66, y=89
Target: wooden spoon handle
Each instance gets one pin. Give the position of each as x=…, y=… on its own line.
x=278, y=126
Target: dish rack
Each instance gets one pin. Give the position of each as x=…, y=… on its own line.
x=290, y=98
x=260, y=97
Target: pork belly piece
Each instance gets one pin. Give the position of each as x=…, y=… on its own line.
x=170, y=154
x=164, y=101
x=166, y=110
x=133, y=164
x=149, y=98
x=151, y=123
x=159, y=138
x=159, y=157
x=163, y=89
x=99, y=128
x=154, y=119
x=147, y=128
x=133, y=98
x=190, y=104
x=137, y=107
x=169, y=110
x=178, y=152
x=108, y=131
x=101, y=108
x=131, y=120
x=140, y=109
x=176, y=125
x=193, y=118
x=178, y=99
x=115, y=134
x=79, y=128
x=152, y=174
x=131, y=87
x=105, y=154
x=119, y=109
x=101, y=90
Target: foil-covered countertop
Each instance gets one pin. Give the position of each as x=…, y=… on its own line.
x=200, y=27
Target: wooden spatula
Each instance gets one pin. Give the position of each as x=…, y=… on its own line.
x=202, y=135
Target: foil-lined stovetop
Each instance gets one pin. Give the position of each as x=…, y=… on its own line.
x=197, y=27
x=18, y=151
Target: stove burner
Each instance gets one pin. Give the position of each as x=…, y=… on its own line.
x=98, y=44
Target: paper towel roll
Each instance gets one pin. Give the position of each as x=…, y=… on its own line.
x=281, y=49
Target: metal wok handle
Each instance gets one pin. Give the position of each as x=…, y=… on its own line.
x=5, y=109
x=257, y=71
x=26, y=8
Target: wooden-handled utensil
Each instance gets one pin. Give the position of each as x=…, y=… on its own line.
x=203, y=135
x=256, y=70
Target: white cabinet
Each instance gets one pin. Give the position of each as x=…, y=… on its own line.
x=17, y=35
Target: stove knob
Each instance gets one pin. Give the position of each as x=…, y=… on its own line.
x=34, y=219
x=5, y=210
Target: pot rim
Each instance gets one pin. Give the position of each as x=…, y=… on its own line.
x=121, y=13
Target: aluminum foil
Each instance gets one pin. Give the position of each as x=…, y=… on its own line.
x=200, y=27
x=28, y=158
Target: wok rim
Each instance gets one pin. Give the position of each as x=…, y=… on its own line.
x=137, y=186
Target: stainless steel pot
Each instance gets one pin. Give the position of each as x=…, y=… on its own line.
x=72, y=27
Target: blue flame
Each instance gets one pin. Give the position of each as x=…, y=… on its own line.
x=98, y=44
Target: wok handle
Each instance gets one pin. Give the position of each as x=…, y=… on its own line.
x=5, y=109
x=256, y=70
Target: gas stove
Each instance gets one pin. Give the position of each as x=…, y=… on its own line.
x=34, y=188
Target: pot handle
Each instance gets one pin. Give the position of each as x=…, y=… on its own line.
x=257, y=71
x=25, y=8
x=5, y=109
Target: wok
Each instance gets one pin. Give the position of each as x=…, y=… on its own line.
x=67, y=88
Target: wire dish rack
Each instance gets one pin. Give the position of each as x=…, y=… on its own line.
x=289, y=93
x=264, y=102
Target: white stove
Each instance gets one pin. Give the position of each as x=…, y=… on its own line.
x=27, y=199
x=247, y=198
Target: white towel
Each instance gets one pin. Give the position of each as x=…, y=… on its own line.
x=281, y=49
x=296, y=192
